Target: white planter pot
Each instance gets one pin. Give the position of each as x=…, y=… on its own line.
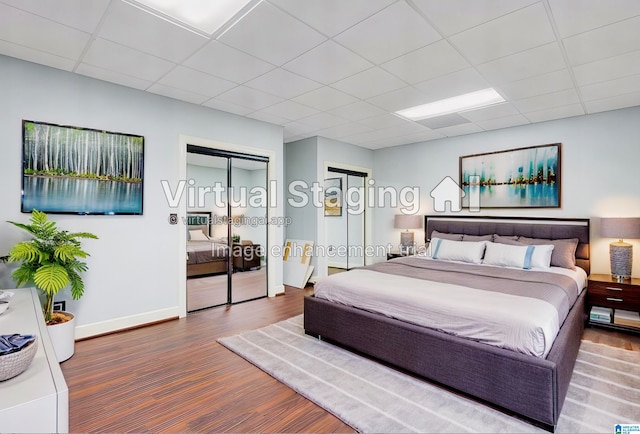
x=63, y=338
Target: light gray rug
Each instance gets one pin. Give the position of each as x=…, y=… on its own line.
x=370, y=397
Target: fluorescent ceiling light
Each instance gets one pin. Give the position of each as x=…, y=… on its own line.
x=468, y=101
x=204, y=15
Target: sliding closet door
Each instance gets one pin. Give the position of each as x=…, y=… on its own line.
x=208, y=261
x=249, y=231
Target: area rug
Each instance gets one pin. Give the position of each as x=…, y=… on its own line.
x=371, y=397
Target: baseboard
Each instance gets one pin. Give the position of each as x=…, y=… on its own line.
x=127, y=322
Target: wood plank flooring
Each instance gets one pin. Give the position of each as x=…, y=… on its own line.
x=174, y=376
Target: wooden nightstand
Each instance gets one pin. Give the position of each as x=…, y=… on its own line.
x=605, y=291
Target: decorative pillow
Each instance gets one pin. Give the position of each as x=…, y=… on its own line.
x=469, y=251
x=525, y=257
x=466, y=237
x=446, y=236
x=564, y=250
x=511, y=240
x=197, y=235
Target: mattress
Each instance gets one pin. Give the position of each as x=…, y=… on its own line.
x=199, y=252
x=520, y=310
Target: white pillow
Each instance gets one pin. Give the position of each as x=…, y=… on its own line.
x=198, y=235
x=524, y=257
x=464, y=251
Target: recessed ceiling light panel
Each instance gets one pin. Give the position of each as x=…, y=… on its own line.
x=456, y=104
x=204, y=15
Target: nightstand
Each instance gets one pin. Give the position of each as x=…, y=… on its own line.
x=605, y=291
x=399, y=253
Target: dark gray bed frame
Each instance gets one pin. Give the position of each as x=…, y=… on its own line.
x=526, y=386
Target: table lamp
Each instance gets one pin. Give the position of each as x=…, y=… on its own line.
x=402, y=221
x=620, y=253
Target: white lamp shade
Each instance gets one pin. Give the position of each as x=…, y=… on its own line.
x=402, y=221
x=620, y=227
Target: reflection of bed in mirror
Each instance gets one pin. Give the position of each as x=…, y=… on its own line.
x=205, y=254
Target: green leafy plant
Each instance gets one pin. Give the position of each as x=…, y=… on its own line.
x=51, y=260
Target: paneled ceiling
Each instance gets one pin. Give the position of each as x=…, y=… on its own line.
x=340, y=68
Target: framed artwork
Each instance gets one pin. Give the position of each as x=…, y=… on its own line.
x=73, y=170
x=333, y=197
x=517, y=178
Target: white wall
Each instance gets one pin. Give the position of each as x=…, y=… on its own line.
x=600, y=155
x=133, y=274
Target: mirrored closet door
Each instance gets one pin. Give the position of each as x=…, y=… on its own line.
x=226, y=227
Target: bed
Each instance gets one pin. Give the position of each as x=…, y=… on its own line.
x=527, y=385
x=204, y=255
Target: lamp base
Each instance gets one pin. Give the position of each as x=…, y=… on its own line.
x=406, y=239
x=621, y=255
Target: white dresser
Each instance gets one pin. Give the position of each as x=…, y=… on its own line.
x=36, y=401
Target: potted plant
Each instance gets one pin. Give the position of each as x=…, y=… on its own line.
x=51, y=260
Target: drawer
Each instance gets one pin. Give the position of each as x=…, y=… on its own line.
x=614, y=295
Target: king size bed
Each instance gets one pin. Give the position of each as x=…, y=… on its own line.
x=496, y=310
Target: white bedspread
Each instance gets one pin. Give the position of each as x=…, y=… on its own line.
x=517, y=323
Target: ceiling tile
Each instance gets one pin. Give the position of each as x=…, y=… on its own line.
x=43, y=34
x=613, y=103
x=529, y=63
x=576, y=17
x=357, y=111
x=325, y=98
x=506, y=122
x=290, y=110
x=81, y=14
x=512, y=33
x=195, y=81
x=383, y=121
x=328, y=63
x=111, y=76
x=399, y=99
x=460, y=130
x=250, y=98
x=443, y=121
x=296, y=128
x=268, y=117
x=608, y=41
x=422, y=136
x=271, y=35
x=228, y=107
x=608, y=69
x=419, y=65
x=283, y=83
x=180, y=94
x=457, y=83
x=390, y=33
x=332, y=16
x=135, y=28
x=225, y=62
x=538, y=85
x=36, y=56
x=555, y=113
x=453, y=16
x=323, y=120
x=372, y=82
x=606, y=89
x=118, y=58
x=344, y=130
x=546, y=101
x=493, y=112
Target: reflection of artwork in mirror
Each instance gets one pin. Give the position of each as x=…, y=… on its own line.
x=74, y=170
x=333, y=197
x=518, y=178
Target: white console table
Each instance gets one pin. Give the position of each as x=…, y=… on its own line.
x=38, y=399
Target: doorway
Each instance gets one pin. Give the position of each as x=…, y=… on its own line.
x=227, y=235
x=346, y=231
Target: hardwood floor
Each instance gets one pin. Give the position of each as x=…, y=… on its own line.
x=174, y=376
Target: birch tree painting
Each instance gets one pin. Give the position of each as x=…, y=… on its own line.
x=56, y=156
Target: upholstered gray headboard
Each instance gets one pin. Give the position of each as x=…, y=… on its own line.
x=531, y=227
